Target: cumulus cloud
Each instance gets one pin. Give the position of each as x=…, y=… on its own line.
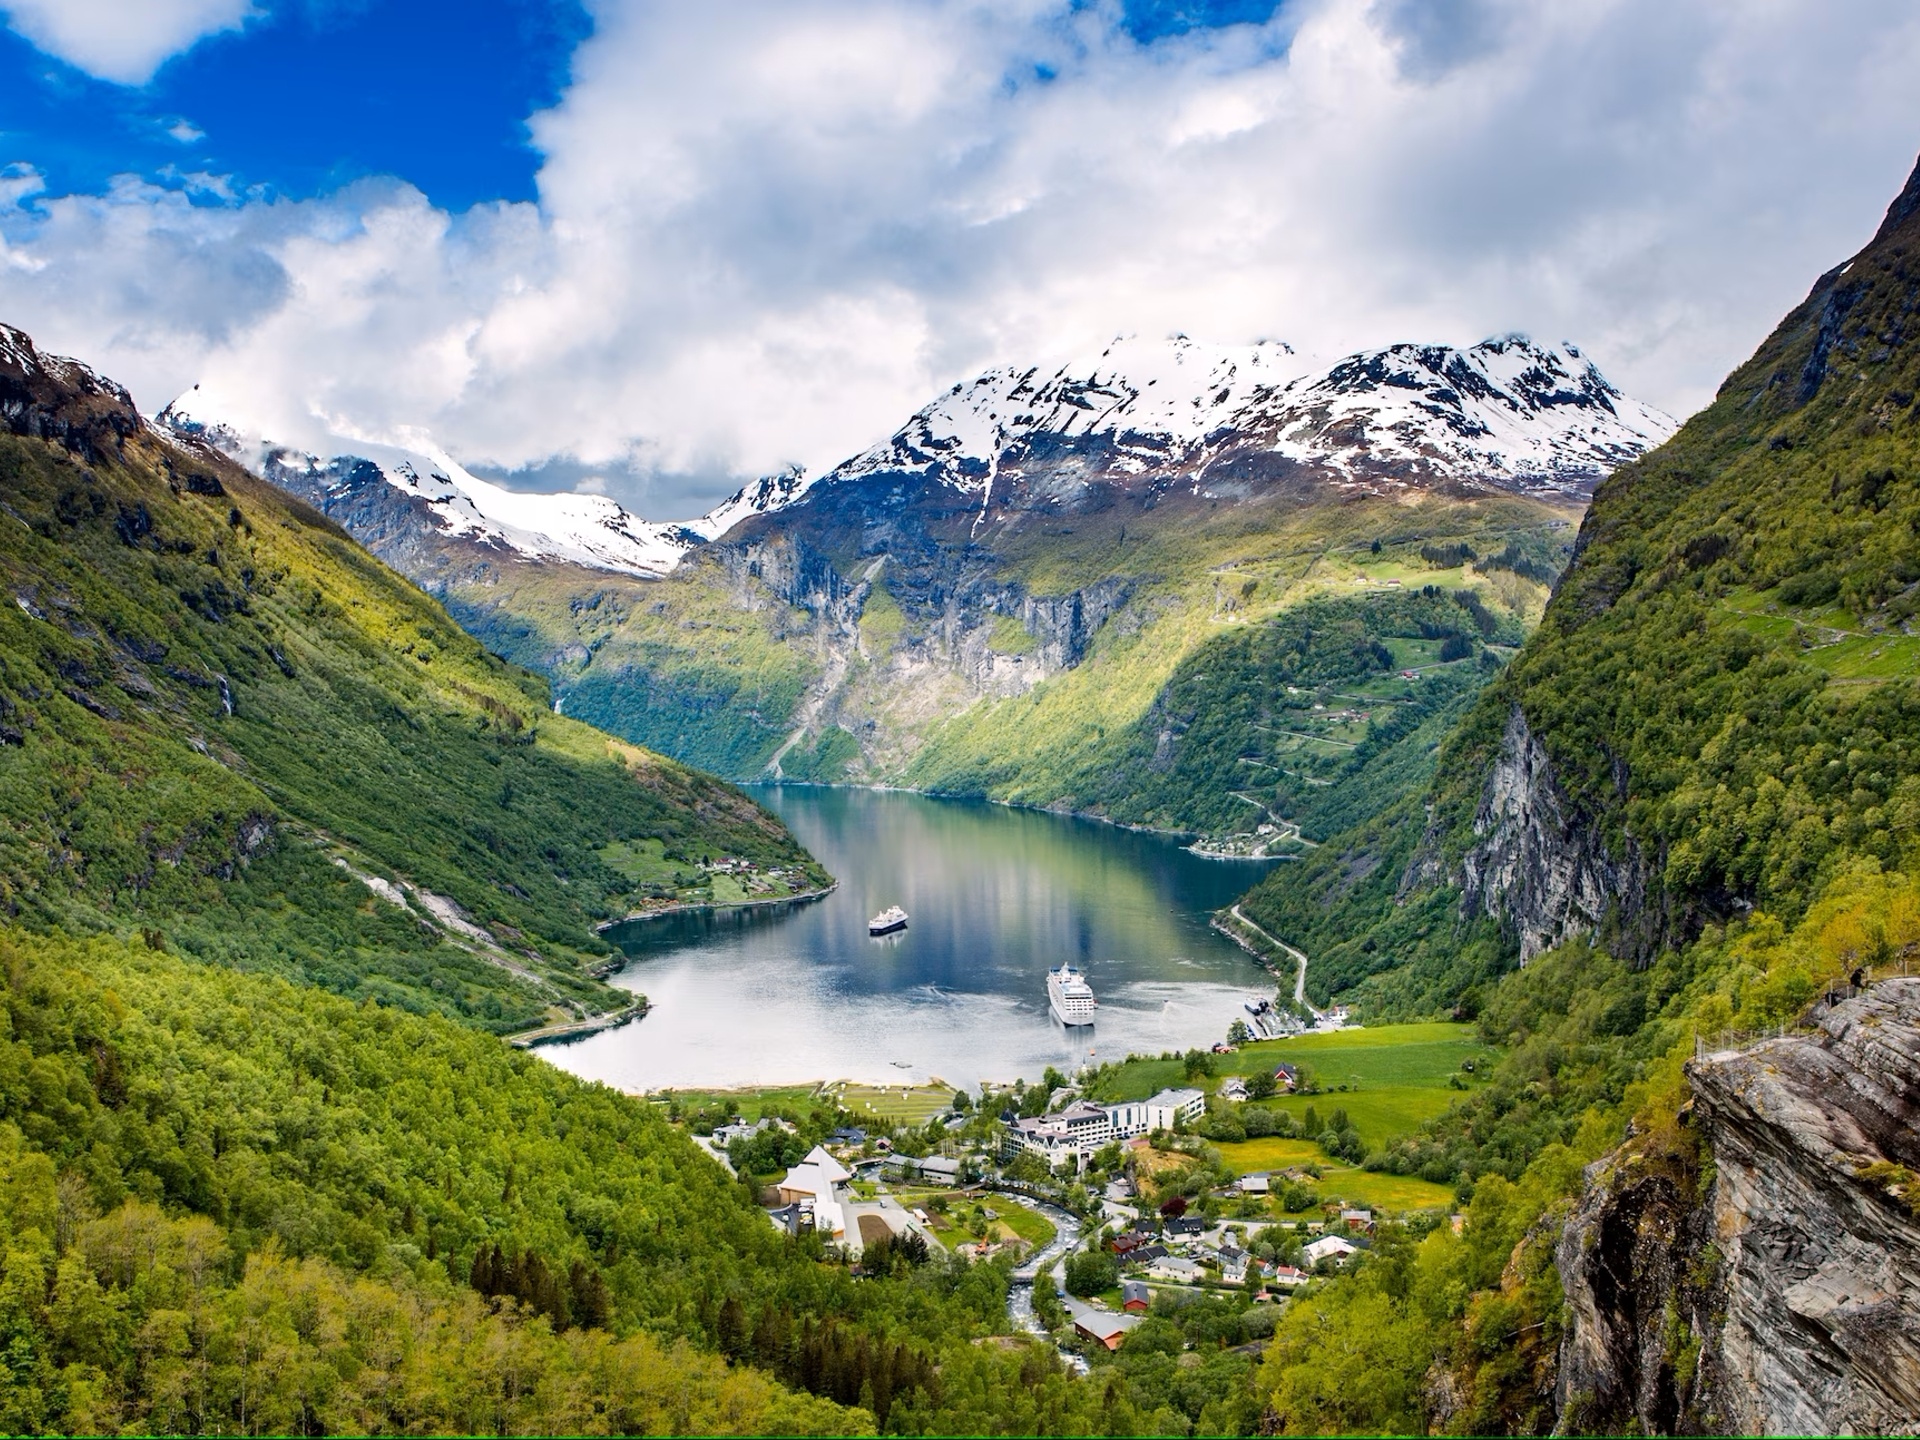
x=121, y=40
x=768, y=231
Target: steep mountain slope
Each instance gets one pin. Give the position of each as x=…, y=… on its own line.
x=1691, y=808
x=995, y=600
x=1715, y=713
x=223, y=721
x=422, y=511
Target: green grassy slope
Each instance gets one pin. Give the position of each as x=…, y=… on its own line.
x=1726, y=688
x=1724, y=681
x=1287, y=719
x=714, y=666
x=209, y=696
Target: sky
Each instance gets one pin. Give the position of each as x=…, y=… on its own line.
x=655, y=249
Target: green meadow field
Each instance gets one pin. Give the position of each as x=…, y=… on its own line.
x=1396, y=1079
x=1396, y=1076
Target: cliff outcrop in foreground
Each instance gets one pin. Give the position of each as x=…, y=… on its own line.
x=1785, y=1297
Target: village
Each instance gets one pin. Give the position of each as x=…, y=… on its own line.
x=1103, y=1212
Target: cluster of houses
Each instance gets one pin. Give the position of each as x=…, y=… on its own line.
x=1182, y=1253
x=1084, y=1127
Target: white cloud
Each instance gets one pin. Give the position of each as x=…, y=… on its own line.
x=186, y=132
x=768, y=231
x=121, y=40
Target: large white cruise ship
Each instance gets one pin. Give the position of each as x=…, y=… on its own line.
x=1070, y=996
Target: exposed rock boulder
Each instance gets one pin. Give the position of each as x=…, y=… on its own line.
x=1816, y=1210
x=1785, y=1298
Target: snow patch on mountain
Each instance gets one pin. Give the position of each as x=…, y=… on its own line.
x=1505, y=412
x=763, y=496
x=590, y=530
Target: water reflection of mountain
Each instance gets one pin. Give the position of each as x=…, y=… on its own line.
x=997, y=897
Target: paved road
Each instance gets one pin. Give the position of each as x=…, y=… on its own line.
x=1299, y=959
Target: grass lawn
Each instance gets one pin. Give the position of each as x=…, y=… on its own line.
x=1378, y=1114
x=1401, y=1057
x=750, y=1105
x=1376, y=1190
x=1396, y=1078
x=909, y=1104
x=1029, y=1225
x=1012, y=1221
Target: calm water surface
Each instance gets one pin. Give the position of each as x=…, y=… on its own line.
x=997, y=896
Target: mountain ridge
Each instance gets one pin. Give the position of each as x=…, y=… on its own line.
x=1065, y=536
x=224, y=722
x=1467, y=415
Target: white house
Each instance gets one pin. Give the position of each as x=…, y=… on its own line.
x=1329, y=1247
x=1084, y=1127
x=1171, y=1105
x=1174, y=1268
x=1233, y=1264
x=815, y=1186
x=1233, y=1088
x=1258, y=1183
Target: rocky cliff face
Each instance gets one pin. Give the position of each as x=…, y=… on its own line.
x=51, y=397
x=1816, y=1211
x=1541, y=865
x=1785, y=1298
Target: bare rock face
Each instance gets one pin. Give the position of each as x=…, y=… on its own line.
x=55, y=398
x=1538, y=864
x=1785, y=1298
x=1639, y=1278
x=1814, y=1213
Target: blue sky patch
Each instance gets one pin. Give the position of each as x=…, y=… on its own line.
x=309, y=98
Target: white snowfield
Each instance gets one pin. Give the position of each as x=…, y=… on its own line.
x=590, y=530
x=1505, y=413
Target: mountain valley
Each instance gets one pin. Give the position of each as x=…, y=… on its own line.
x=1596, y=740
x=1011, y=596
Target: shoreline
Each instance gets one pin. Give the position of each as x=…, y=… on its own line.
x=681, y=907
x=579, y=1029
x=1088, y=815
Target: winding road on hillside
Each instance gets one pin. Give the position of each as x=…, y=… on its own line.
x=1299, y=958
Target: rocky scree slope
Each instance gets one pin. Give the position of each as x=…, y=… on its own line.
x=223, y=722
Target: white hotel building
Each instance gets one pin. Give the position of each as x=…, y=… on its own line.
x=1083, y=1127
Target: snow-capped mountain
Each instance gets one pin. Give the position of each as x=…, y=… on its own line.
x=762, y=497
x=1219, y=421
x=437, y=492
x=1503, y=414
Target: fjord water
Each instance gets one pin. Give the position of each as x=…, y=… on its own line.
x=997, y=897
